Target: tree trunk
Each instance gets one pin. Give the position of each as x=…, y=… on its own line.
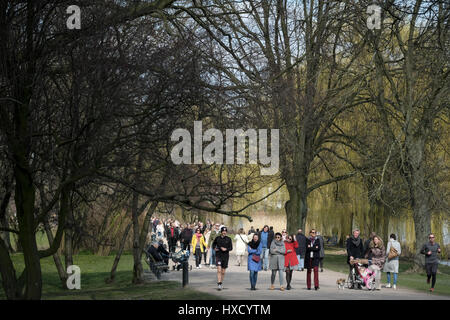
x=4, y=217
x=7, y=272
x=419, y=196
x=59, y=266
x=145, y=228
x=138, y=271
x=296, y=208
x=24, y=199
x=119, y=254
x=68, y=239
x=5, y=236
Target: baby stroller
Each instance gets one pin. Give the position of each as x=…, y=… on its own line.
x=360, y=275
x=179, y=257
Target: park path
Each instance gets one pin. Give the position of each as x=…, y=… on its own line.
x=237, y=286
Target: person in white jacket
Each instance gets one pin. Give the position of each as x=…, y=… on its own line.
x=159, y=231
x=241, y=245
x=391, y=265
x=206, y=253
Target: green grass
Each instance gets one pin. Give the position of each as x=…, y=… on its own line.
x=94, y=271
x=336, y=260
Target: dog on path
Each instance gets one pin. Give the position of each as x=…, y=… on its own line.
x=340, y=283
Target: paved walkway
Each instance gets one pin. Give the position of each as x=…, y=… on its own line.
x=237, y=286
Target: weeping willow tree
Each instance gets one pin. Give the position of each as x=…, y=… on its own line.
x=411, y=95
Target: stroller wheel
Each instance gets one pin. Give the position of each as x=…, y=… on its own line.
x=371, y=284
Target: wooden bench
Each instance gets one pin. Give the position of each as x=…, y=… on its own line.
x=156, y=267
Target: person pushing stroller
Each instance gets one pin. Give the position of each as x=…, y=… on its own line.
x=355, y=250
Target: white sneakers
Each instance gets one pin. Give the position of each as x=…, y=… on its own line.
x=393, y=286
x=220, y=287
x=200, y=266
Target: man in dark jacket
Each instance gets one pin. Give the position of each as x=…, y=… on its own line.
x=172, y=233
x=186, y=237
x=355, y=247
x=301, y=250
x=312, y=259
x=222, y=245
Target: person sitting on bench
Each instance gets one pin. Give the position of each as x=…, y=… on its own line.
x=163, y=252
x=154, y=252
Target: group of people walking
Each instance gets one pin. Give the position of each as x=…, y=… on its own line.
x=387, y=259
x=196, y=238
x=282, y=253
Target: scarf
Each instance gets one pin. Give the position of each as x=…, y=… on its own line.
x=199, y=235
x=278, y=243
x=357, y=241
x=254, y=245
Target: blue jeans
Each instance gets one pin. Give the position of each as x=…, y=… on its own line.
x=212, y=258
x=265, y=256
x=389, y=277
x=253, y=278
x=301, y=262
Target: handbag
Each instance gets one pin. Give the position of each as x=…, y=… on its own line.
x=256, y=258
x=392, y=253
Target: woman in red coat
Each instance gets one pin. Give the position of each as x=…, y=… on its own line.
x=290, y=258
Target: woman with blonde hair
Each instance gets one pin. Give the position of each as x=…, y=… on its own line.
x=377, y=253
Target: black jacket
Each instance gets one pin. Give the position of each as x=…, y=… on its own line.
x=301, y=240
x=186, y=235
x=154, y=253
x=176, y=233
x=353, y=250
x=162, y=250
x=225, y=242
x=315, y=249
x=270, y=238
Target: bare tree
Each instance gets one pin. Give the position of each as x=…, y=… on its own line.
x=293, y=63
